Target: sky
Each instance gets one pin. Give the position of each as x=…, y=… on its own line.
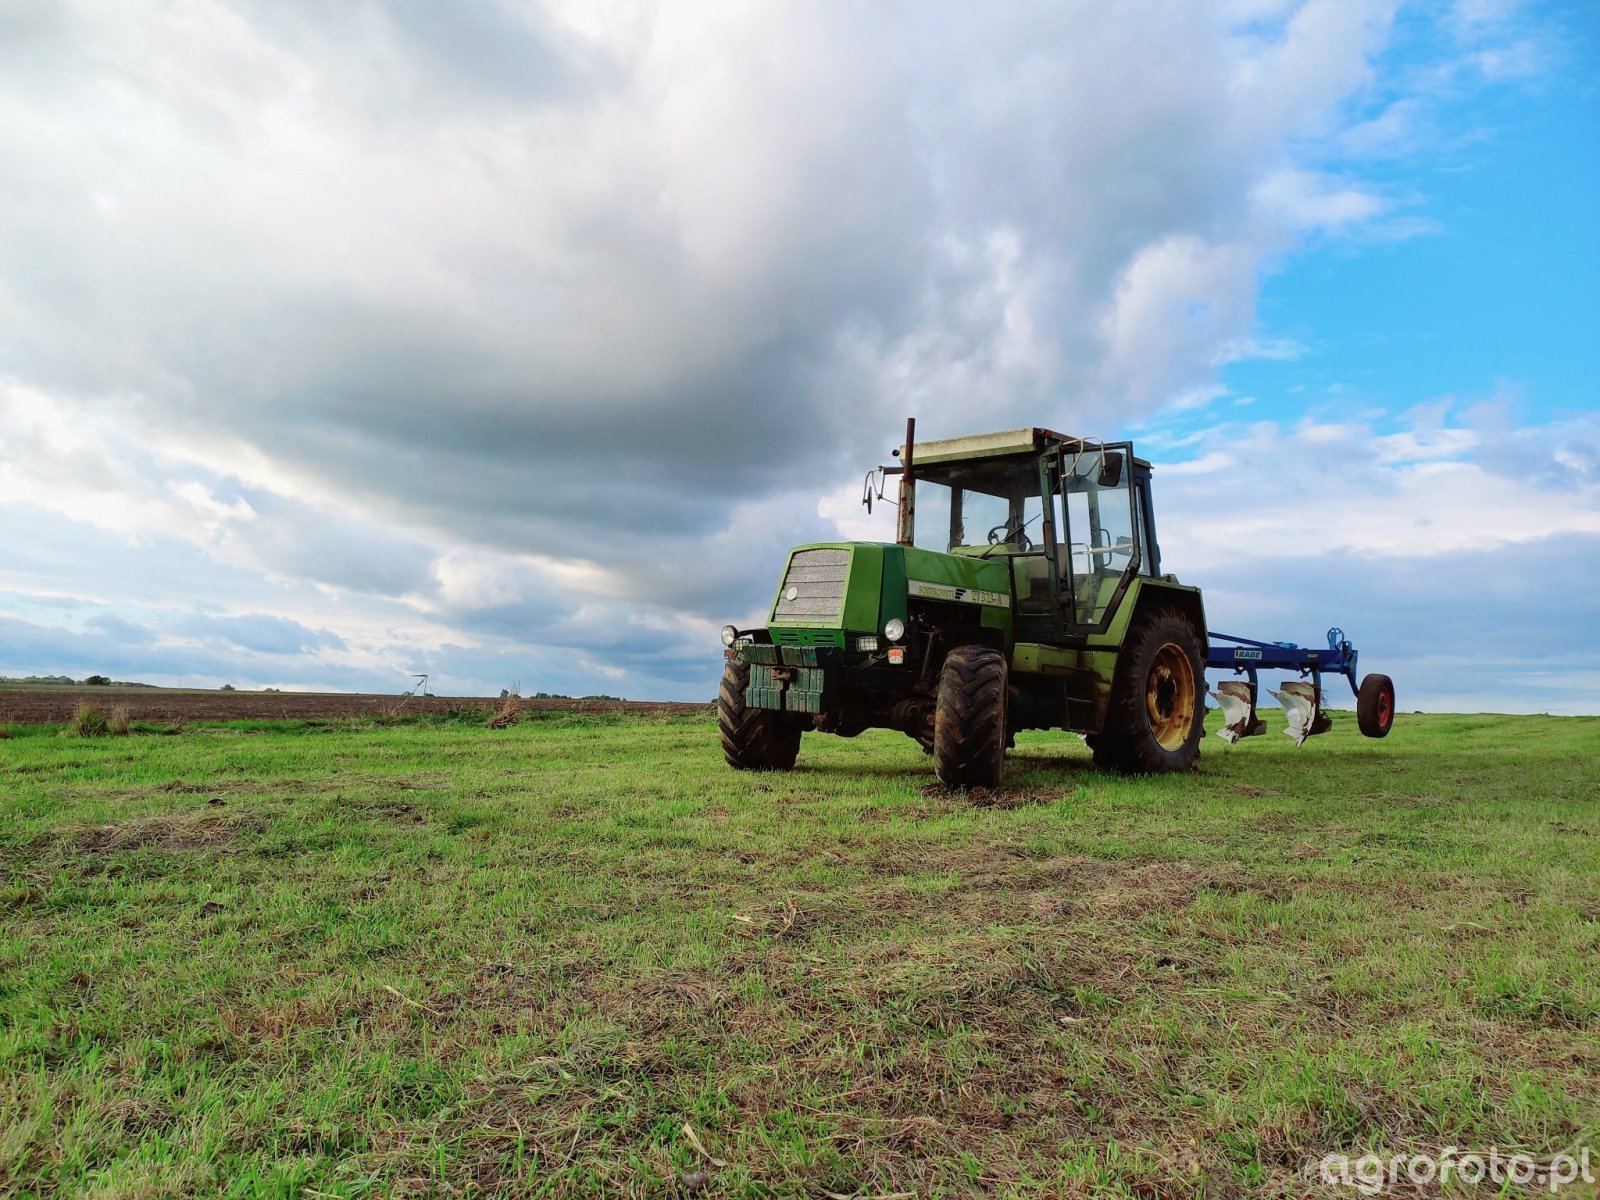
x=514, y=343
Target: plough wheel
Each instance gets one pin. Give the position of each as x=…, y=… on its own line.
x=753, y=739
x=1375, y=706
x=1157, y=713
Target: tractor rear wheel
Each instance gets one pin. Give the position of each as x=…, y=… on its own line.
x=1375, y=705
x=969, y=720
x=1157, y=713
x=753, y=739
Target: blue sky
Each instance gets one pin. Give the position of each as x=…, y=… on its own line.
x=331, y=354
x=1502, y=175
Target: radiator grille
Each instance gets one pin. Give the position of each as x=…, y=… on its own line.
x=813, y=588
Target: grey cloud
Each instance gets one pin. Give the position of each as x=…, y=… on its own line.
x=554, y=471
x=1468, y=628
x=126, y=633
x=261, y=633
x=623, y=303
x=502, y=50
x=1564, y=455
x=298, y=540
x=31, y=648
x=28, y=648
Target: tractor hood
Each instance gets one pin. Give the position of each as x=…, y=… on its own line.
x=857, y=586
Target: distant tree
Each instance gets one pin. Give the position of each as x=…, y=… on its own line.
x=227, y=687
x=97, y=681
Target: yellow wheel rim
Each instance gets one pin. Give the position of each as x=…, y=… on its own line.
x=1169, y=697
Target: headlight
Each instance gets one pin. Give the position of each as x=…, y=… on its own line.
x=866, y=643
x=894, y=629
x=729, y=635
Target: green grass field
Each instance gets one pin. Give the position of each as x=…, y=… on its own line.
x=438, y=959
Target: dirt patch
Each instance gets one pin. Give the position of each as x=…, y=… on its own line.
x=202, y=830
x=399, y=811
x=939, y=803
x=1003, y=885
x=1000, y=797
x=1017, y=871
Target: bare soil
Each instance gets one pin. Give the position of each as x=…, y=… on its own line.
x=47, y=705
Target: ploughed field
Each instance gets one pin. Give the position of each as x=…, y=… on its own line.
x=46, y=703
x=579, y=956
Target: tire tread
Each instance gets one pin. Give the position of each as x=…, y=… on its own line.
x=753, y=739
x=1367, y=700
x=969, y=727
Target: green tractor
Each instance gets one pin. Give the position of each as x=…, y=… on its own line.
x=1024, y=591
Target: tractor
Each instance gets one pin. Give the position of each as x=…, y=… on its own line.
x=1024, y=591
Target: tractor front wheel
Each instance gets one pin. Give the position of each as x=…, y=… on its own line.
x=969, y=720
x=753, y=739
x=1375, y=705
x=1157, y=713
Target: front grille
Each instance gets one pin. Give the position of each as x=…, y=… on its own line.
x=816, y=581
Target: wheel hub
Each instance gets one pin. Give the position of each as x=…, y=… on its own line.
x=1170, y=697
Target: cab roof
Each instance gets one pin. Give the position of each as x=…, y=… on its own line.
x=1028, y=440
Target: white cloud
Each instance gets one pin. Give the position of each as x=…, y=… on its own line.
x=213, y=512
x=1471, y=17
x=1395, y=131
x=1307, y=200
x=1268, y=493
x=1207, y=464
x=1518, y=60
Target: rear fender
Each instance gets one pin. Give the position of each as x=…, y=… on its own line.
x=1103, y=652
x=1157, y=593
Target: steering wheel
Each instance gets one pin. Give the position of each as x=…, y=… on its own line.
x=1006, y=533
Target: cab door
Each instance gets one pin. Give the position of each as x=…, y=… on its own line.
x=1036, y=571
x=1100, y=543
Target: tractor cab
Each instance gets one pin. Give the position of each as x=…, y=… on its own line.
x=1071, y=518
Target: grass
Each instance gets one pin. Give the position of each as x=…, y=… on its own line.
x=353, y=959
x=89, y=721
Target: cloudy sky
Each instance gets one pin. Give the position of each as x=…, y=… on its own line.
x=514, y=342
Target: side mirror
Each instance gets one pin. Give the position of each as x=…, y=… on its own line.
x=868, y=491
x=1110, y=469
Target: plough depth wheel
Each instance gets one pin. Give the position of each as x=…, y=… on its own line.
x=1375, y=706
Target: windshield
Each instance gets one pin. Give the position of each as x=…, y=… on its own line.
x=992, y=508
x=993, y=505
